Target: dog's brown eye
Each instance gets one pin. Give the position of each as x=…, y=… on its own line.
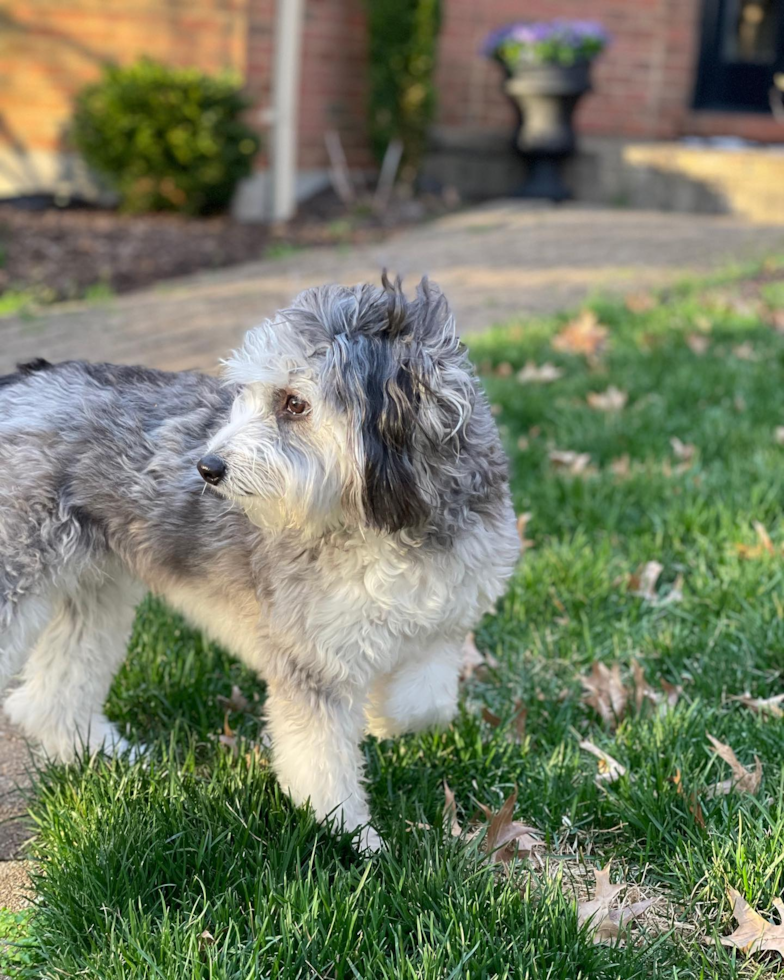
x=296, y=405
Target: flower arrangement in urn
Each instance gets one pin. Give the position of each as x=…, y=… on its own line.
x=547, y=65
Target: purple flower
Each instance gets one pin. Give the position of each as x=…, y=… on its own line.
x=558, y=41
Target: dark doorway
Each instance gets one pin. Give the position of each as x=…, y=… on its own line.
x=742, y=49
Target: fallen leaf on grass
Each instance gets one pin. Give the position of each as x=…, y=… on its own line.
x=610, y=769
x=504, y=370
x=611, y=400
x=763, y=706
x=522, y=523
x=605, y=693
x=639, y=302
x=519, y=718
x=621, y=467
x=663, y=700
x=235, y=702
x=743, y=780
x=755, y=934
x=684, y=452
x=778, y=435
x=568, y=461
x=583, y=335
x=698, y=343
x=764, y=545
x=507, y=839
x=597, y=914
x=473, y=661
x=775, y=319
x=450, y=812
x=643, y=582
x=228, y=738
x=745, y=352
x=543, y=373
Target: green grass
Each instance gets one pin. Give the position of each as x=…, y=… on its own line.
x=194, y=865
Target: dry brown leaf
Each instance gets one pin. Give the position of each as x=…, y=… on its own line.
x=542, y=374
x=492, y=719
x=504, y=370
x=611, y=400
x=235, y=702
x=605, y=693
x=643, y=582
x=450, y=812
x=597, y=915
x=743, y=780
x=507, y=839
x=755, y=934
x=763, y=706
x=518, y=720
x=764, y=545
x=523, y=521
x=568, y=461
x=663, y=700
x=472, y=658
x=776, y=319
x=639, y=302
x=621, y=467
x=684, y=452
x=610, y=769
x=745, y=352
x=672, y=692
x=698, y=343
x=583, y=335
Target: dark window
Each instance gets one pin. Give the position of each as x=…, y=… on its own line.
x=742, y=49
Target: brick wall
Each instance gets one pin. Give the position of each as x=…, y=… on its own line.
x=643, y=83
x=332, y=89
x=50, y=48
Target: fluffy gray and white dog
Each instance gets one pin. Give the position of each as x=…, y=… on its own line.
x=335, y=511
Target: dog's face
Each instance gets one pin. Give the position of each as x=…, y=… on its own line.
x=350, y=410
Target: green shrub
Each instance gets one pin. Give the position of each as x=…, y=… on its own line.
x=166, y=139
x=403, y=35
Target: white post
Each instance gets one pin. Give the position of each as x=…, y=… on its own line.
x=288, y=43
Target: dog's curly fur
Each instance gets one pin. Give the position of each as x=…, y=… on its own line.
x=361, y=526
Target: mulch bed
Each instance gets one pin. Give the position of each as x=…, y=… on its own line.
x=63, y=253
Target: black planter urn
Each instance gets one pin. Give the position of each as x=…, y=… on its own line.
x=547, y=96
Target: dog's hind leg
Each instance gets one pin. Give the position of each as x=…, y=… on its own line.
x=67, y=676
x=420, y=693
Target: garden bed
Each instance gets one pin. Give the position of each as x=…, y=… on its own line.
x=57, y=254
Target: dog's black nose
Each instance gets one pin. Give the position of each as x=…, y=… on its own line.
x=212, y=469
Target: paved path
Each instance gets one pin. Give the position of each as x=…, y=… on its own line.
x=494, y=262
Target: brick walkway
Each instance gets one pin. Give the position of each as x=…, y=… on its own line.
x=493, y=262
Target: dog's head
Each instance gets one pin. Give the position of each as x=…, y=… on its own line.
x=352, y=408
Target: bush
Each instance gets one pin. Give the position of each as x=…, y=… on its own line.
x=166, y=139
x=403, y=35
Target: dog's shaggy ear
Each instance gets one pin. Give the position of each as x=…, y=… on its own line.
x=379, y=397
x=399, y=372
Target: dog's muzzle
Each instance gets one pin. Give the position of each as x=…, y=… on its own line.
x=212, y=469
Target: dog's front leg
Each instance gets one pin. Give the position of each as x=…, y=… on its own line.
x=316, y=752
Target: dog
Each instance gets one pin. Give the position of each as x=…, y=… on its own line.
x=335, y=511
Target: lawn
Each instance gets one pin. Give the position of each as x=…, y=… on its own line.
x=193, y=865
